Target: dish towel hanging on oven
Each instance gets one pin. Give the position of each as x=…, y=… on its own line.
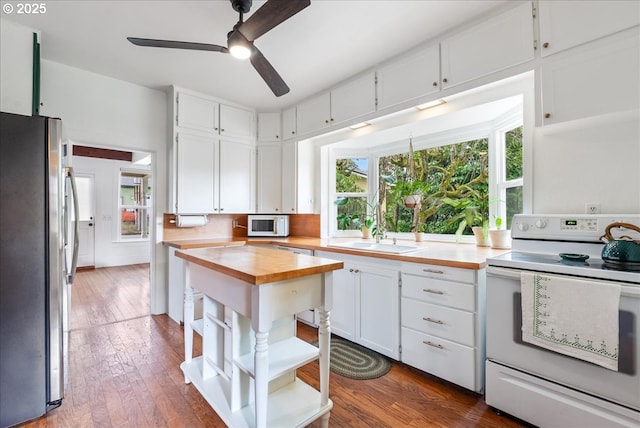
x=571, y=316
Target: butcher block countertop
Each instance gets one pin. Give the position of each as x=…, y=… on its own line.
x=256, y=265
x=462, y=255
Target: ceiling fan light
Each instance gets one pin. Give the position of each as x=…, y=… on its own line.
x=239, y=51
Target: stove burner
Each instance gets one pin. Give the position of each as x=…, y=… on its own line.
x=624, y=266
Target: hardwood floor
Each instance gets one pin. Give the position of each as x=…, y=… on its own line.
x=123, y=371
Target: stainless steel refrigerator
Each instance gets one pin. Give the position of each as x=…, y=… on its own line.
x=33, y=268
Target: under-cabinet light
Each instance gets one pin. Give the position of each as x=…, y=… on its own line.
x=359, y=125
x=430, y=104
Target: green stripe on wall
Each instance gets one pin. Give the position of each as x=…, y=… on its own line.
x=35, y=93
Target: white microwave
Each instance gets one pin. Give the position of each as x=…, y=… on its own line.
x=268, y=225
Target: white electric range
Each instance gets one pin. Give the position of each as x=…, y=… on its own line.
x=541, y=386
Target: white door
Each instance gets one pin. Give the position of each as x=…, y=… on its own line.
x=86, y=220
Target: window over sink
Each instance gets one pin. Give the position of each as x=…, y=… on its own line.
x=476, y=164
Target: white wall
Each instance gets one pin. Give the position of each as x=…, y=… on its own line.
x=589, y=161
x=105, y=112
x=108, y=250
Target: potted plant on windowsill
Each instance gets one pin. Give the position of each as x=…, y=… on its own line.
x=473, y=212
x=500, y=238
x=481, y=233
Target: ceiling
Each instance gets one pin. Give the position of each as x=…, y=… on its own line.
x=324, y=44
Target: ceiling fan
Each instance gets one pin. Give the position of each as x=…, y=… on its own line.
x=240, y=38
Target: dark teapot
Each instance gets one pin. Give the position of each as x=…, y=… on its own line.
x=623, y=249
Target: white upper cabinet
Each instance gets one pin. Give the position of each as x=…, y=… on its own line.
x=289, y=177
x=314, y=114
x=270, y=178
x=354, y=99
x=493, y=45
x=202, y=113
x=409, y=77
x=196, y=175
x=269, y=127
x=236, y=122
x=298, y=171
x=237, y=177
x=289, y=128
x=16, y=68
x=197, y=112
x=565, y=24
x=603, y=77
x=213, y=156
x=351, y=100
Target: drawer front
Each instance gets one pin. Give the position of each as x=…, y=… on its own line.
x=440, y=272
x=439, y=321
x=456, y=295
x=447, y=360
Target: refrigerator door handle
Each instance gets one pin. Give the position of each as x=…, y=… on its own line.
x=76, y=242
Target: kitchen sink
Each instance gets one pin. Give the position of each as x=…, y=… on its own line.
x=377, y=247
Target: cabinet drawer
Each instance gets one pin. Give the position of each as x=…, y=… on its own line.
x=462, y=296
x=440, y=272
x=440, y=321
x=442, y=358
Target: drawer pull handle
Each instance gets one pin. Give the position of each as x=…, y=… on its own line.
x=428, y=290
x=439, y=272
x=435, y=345
x=432, y=320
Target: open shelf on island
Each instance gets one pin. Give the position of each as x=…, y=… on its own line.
x=296, y=404
x=285, y=355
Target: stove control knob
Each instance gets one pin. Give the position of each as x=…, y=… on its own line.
x=541, y=224
x=523, y=227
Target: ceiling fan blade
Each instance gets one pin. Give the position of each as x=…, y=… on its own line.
x=177, y=45
x=272, y=13
x=268, y=73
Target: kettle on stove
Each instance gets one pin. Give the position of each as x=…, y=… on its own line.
x=621, y=250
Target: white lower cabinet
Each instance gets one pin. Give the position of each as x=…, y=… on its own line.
x=366, y=302
x=442, y=325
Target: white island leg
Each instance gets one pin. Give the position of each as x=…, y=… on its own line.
x=324, y=339
x=261, y=361
x=188, y=319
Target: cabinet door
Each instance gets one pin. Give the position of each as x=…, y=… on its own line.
x=236, y=122
x=289, y=177
x=410, y=77
x=491, y=46
x=565, y=24
x=196, y=173
x=596, y=80
x=269, y=178
x=269, y=127
x=343, y=314
x=197, y=112
x=379, y=302
x=314, y=114
x=237, y=177
x=289, y=123
x=354, y=99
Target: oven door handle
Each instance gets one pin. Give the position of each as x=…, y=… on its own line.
x=507, y=273
x=625, y=290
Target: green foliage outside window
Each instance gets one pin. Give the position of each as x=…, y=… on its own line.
x=450, y=178
x=453, y=181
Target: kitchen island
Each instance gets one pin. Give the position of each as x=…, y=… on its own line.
x=250, y=351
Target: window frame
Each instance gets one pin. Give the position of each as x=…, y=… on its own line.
x=333, y=208
x=494, y=131
x=147, y=209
